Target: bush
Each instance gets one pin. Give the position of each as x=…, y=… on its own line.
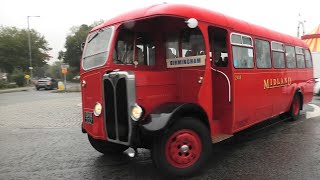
x=18, y=77
x=5, y=85
x=12, y=86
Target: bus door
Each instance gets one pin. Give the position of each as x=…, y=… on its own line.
x=221, y=79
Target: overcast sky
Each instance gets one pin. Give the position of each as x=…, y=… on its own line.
x=58, y=16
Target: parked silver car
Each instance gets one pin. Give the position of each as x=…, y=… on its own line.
x=46, y=83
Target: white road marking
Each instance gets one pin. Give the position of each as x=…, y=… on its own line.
x=314, y=113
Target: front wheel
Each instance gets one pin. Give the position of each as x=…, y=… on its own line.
x=106, y=147
x=184, y=149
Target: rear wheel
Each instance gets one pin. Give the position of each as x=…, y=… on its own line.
x=106, y=147
x=295, y=108
x=184, y=149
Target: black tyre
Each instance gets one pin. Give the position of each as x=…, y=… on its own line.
x=294, y=111
x=183, y=149
x=106, y=147
x=37, y=88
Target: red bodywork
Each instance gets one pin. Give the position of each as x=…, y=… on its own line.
x=250, y=101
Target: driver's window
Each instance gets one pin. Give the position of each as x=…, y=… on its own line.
x=218, y=46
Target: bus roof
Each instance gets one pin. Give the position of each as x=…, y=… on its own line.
x=204, y=15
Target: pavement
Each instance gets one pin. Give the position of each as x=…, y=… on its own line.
x=71, y=87
x=15, y=89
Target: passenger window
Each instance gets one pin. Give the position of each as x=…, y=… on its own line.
x=263, y=57
x=242, y=57
x=308, y=58
x=290, y=57
x=145, y=50
x=278, y=55
x=192, y=43
x=126, y=52
x=123, y=52
x=278, y=59
x=300, y=61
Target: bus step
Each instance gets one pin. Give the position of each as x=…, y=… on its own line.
x=220, y=137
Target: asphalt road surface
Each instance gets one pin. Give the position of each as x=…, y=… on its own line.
x=40, y=138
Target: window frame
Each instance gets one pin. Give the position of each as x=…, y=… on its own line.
x=242, y=35
x=298, y=47
x=301, y=54
x=109, y=48
x=243, y=46
x=306, y=57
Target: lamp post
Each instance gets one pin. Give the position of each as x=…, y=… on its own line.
x=29, y=42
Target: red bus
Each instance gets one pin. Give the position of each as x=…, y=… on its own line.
x=176, y=78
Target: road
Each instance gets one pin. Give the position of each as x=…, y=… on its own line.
x=40, y=138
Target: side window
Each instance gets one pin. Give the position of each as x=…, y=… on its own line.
x=192, y=43
x=172, y=46
x=218, y=46
x=242, y=51
x=300, y=57
x=290, y=57
x=277, y=55
x=308, y=58
x=263, y=57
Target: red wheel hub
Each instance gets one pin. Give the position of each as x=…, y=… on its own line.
x=183, y=148
x=296, y=106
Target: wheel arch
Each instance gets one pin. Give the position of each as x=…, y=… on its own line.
x=165, y=115
x=299, y=92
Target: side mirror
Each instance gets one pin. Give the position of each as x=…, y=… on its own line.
x=82, y=46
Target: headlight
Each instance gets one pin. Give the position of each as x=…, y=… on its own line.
x=97, y=109
x=136, y=112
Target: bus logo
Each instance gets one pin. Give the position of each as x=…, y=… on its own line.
x=276, y=82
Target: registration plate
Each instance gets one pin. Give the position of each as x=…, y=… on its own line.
x=88, y=117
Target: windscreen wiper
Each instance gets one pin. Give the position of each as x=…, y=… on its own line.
x=94, y=36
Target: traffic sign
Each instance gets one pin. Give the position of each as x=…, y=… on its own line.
x=64, y=70
x=27, y=76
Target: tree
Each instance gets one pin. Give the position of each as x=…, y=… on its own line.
x=72, y=55
x=73, y=52
x=54, y=70
x=14, y=52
